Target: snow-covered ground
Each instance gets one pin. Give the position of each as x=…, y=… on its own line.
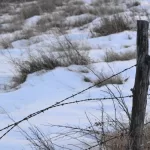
x=45, y=88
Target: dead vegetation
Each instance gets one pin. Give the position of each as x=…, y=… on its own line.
x=80, y=21
x=115, y=56
x=115, y=80
x=46, y=6
x=4, y=7
x=34, y=64
x=133, y=4
x=102, y=77
x=6, y=43
x=73, y=10
x=48, y=22
x=108, y=131
x=111, y=25
x=105, y=2
x=64, y=54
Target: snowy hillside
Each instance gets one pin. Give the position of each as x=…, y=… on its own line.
x=49, y=52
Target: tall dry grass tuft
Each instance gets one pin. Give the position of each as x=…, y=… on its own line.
x=114, y=56
x=112, y=25
x=64, y=54
x=46, y=6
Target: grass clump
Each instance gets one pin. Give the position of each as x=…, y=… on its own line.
x=34, y=64
x=4, y=7
x=6, y=43
x=112, y=25
x=121, y=142
x=114, y=80
x=30, y=11
x=82, y=21
x=44, y=24
x=63, y=56
x=114, y=56
x=102, y=77
x=105, y=2
x=11, y=28
x=133, y=4
x=76, y=2
x=28, y=33
x=72, y=53
x=101, y=10
x=48, y=22
x=73, y=10
x=46, y=6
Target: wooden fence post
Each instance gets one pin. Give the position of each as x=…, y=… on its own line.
x=140, y=89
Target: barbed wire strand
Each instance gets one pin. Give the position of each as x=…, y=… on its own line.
x=67, y=103
x=59, y=103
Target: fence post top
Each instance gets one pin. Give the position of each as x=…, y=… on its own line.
x=142, y=21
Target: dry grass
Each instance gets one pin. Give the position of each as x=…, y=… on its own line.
x=73, y=10
x=115, y=80
x=44, y=24
x=82, y=70
x=121, y=140
x=48, y=22
x=41, y=62
x=72, y=53
x=82, y=9
x=112, y=25
x=11, y=24
x=30, y=11
x=114, y=56
x=24, y=34
x=106, y=133
x=27, y=33
x=76, y=2
x=46, y=6
x=11, y=28
x=34, y=64
x=133, y=4
x=4, y=7
x=107, y=7
x=98, y=10
x=6, y=43
x=66, y=56
x=108, y=10
x=105, y=2
x=82, y=21
x=118, y=143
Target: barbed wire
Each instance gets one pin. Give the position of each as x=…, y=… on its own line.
x=60, y=103
x=67, y=103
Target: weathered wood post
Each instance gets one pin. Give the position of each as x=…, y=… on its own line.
x=140, y=89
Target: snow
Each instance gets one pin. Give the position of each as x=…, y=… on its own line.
x=45, y=88
x=31, y=22
x=88, y=1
